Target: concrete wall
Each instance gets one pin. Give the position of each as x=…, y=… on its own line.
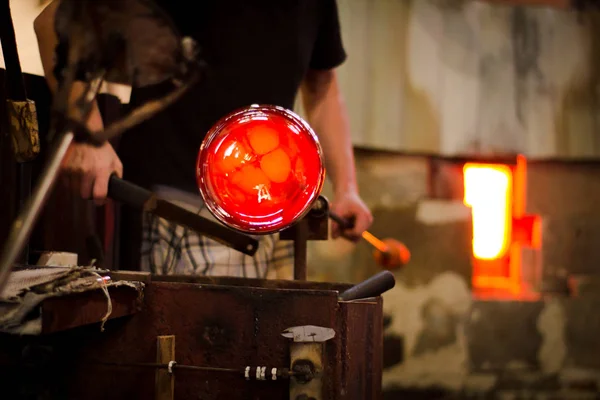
x=458, y=76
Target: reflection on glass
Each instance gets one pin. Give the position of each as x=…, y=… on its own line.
x=260, y=169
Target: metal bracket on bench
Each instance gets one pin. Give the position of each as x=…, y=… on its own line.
x=306, y=359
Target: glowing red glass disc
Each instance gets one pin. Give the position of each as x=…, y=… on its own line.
x=260, y=169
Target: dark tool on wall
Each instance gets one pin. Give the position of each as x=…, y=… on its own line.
x=21, y=112
x=389, y=253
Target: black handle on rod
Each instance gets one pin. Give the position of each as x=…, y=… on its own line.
x=136, y=196
x=372, y=287
x=344, y=223
x=127, y=192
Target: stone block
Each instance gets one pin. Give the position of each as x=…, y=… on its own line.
x=582, y=328
x=503, y=335
x=570, y=244
x=584, y=285
x=561, y=189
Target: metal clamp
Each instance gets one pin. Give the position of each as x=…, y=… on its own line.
x=314, y=226
x=306, y=360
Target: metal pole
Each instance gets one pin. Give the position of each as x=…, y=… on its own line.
x=22, y=226
x=300, y=249
x=15, y=92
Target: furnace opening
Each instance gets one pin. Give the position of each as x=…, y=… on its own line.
x=496, y=195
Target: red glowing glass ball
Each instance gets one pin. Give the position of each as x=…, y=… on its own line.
x=260, y=169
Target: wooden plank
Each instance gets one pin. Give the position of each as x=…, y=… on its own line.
x=59, y=314
x=138, y=276
x=165, y=381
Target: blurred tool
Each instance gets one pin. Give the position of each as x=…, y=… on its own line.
x=389, y=253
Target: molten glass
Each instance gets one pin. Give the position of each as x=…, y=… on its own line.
x=260, y=169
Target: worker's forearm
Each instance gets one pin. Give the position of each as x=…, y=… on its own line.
x=326, y=113
x=47, y=42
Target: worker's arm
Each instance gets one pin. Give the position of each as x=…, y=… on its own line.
x=326, y=112
x=87, y=167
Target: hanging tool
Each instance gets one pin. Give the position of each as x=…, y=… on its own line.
x=21, y=112
x=389, y=253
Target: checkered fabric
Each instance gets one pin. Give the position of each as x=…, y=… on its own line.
x=168, y=248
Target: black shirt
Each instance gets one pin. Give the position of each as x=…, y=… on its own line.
x=257, y=51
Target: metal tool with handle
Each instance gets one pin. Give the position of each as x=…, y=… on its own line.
x=346, y=224
x=136, y=196
x=389, y=253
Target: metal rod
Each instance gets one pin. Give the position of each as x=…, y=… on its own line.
x=375, y=242
x=137, y=196
x=23, y=225
x=369, y=237
x=300, y=249
x=16, y=91
x=24, y=183
x=28, y=215
x=166, y=366
x=282, y=372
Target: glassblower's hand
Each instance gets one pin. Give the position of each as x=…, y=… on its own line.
x=87, y=169
x=349, y=205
